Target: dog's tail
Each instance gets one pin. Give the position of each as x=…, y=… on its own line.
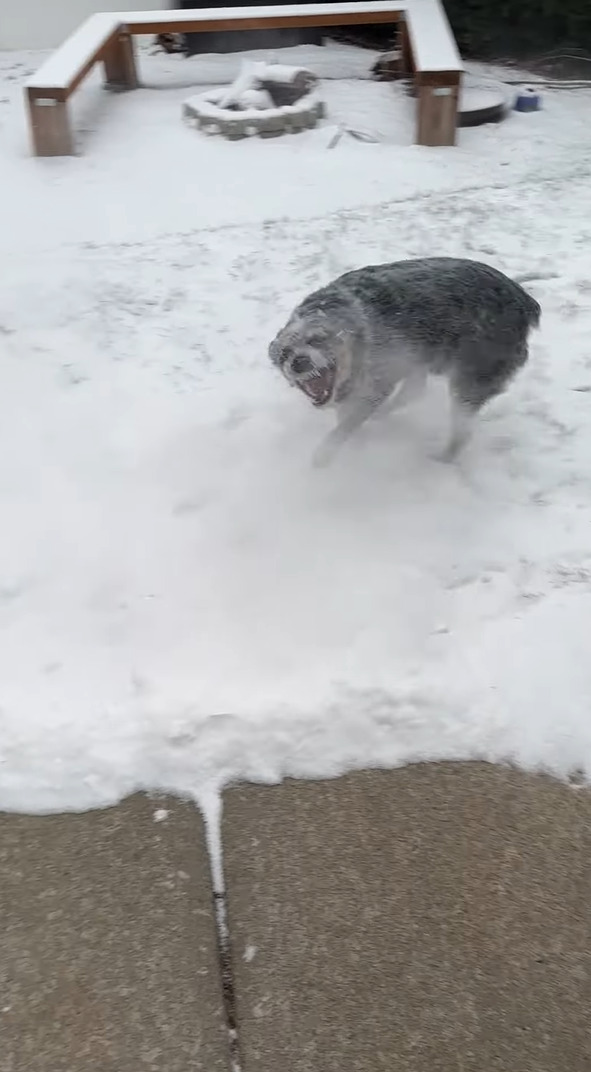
x=531, y=308
x=534, y=312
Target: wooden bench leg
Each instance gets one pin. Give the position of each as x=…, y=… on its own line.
x=119, y=63
x=51, y=133
x=437, y=114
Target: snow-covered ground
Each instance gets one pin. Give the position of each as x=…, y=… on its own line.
x=183, y=599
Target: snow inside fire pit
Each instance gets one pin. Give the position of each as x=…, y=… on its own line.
x=265, y=99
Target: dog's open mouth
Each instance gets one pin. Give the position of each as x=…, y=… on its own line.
x=319, y=386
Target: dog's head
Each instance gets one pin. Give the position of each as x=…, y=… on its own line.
x=313, y=354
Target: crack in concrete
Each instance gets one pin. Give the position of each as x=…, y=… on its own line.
x=210, y=804
x=227, y=977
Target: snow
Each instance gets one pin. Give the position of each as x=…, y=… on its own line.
x=476, y=98
x=280, y=72
x=184, y=601
x=245, y=81
x=250, y=100
x=209, y=106
x=433, y=44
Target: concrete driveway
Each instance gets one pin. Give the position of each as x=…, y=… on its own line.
x=434, y=918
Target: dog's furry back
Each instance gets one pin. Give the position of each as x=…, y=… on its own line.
x=438, y=303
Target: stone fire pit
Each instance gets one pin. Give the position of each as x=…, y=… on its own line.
x=266, y=99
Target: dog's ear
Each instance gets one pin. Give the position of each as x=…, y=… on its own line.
x=275, y=350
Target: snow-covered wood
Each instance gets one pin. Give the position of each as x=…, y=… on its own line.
x=432, y=41
x=281, y=72
x=226, y=14
x=433, y=45
x=257, y=99
x=280, y=84
x=246, y=80
x=65, y=63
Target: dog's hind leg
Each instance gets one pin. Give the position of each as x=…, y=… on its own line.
x=472, y=385
x=462, y=416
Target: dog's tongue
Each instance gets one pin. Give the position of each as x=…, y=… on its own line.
x=319, y=387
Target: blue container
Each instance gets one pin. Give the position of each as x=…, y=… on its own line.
x=528, y=100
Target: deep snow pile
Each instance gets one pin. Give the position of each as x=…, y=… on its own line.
x=183, y=600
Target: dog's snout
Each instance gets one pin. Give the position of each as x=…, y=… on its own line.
x=300, y=364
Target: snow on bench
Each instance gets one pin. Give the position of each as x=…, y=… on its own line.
x=429, y=47
x=346, y=13
x=432, y=41
x=79, y=50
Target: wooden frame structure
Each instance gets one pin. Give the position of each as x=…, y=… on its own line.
x=429, y=51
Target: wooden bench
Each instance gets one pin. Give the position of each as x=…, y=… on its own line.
x=429, y=50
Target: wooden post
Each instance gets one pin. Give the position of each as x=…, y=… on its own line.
x=437, y=110
x=405, y=48
x=119, y=63
x=49, y=122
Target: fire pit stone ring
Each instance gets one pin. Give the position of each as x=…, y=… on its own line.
x=266, y=99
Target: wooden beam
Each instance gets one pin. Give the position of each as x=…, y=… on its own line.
x=408, y=65
x=119, y=62
x=261, y=22
x=95, y=55
x=437, y=113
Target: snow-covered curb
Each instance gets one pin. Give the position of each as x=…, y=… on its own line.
x=251, y=105
x=203, y=111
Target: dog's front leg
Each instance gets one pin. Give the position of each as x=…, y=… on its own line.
x=407, y=391
x=351, y=415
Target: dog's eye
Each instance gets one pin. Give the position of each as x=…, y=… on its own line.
x=301, y=364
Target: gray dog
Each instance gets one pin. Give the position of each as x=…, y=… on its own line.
x=376, y=334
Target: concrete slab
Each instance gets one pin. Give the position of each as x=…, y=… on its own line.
x=108, y=958
x=433, y=919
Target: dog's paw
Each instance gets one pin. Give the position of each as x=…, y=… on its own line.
x=447, y=455
x=323, y=455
